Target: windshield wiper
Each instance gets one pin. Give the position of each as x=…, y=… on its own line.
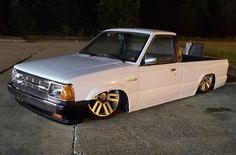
x=113, y=56
x=88, y=53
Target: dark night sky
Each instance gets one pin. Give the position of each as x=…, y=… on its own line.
x=202, y=18
x=207, y=18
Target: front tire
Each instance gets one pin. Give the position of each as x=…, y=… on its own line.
x=104, y=104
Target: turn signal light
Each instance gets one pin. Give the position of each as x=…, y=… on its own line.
x=67, y=93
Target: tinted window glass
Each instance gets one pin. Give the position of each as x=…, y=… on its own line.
x=163, y=49
x=127, y=46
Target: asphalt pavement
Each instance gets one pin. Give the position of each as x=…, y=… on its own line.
x=202, y=124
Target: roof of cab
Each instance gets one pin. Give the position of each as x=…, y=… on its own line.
x=141, y=30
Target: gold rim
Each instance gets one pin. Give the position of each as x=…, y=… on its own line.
x=105, y=103
x=206, y=83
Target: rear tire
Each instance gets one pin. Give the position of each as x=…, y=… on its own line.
x=206, y=83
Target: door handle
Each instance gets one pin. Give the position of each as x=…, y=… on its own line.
x=173, y=69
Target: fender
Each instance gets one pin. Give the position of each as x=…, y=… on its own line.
x=204, y=74
x=110, y=86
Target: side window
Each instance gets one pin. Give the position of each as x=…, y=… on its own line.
x=162, y=48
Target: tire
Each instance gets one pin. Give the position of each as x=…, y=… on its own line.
x=105, y=105
x=206, y=83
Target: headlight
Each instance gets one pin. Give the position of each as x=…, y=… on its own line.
x=61, y=92
x=16, y=77
x=13, y=75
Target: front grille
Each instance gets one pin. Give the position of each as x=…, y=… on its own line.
x=28, y=81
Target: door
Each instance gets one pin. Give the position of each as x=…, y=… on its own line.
x=160, y=76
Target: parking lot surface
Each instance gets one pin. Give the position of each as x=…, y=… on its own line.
x=203, y=124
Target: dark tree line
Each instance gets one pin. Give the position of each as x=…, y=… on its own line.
x=52, y=17
x=204, y=18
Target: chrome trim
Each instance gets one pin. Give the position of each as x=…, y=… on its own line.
x=30, y=81
x=47, y=102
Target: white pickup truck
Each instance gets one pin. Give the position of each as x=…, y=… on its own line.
x=128, y=68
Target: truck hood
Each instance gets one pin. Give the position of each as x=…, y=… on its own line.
x=64, y=68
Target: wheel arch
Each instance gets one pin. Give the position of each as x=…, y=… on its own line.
x=205, y=74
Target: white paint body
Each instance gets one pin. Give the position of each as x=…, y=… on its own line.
x=155, y=84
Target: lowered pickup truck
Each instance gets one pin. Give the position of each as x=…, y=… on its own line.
x=128, y=68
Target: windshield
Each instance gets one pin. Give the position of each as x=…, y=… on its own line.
x=118, y=45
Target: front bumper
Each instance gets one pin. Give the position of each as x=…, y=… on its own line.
x=69, y=112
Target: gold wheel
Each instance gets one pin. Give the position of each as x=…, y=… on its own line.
x=206, y=83
x=105, y=104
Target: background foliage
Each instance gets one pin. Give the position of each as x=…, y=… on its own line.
x=204, y=18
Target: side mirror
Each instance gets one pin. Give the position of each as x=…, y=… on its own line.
x=150, y=60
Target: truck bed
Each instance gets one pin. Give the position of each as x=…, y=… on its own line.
x=189, y=58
